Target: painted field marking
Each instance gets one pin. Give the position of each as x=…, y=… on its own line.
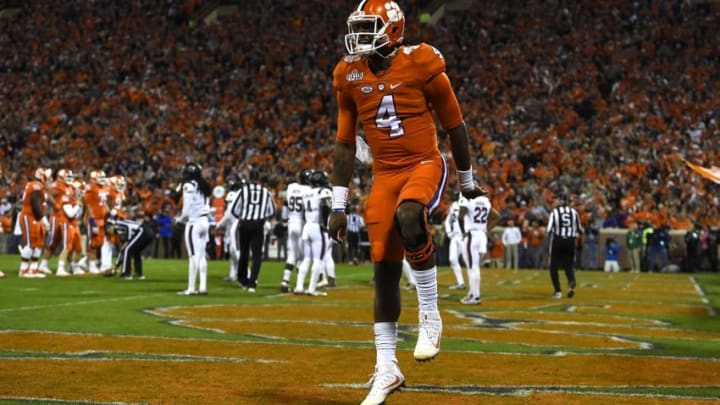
x=524, y=391
x=703, y=298
x=63, y=401
x=78, y=303
x=151, y=357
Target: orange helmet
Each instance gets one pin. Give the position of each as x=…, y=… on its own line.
x=65, y=175
x=118, y=182
x=374, y=24
x=43, y=174
x=98, y=176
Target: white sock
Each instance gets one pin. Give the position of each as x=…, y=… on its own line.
x=286, y=275
x=427, y=288
x=408, y=272
x=43, y=264
x=202, y=268
x=330, y=266
x=105, y=255
x=385, y=342
x=315, y=272
x=233, y=269
x=474, y=281
x=192, y=274
x=302, y=271
x=457, y=270
x=61, y=265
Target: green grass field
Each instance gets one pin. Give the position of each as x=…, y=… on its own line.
x=624, y=338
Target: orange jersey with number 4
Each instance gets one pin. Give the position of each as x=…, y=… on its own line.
x=395, y=107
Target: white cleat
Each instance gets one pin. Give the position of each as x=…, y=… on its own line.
x=2, y=275
x=44, y=270
x=62, y=273
x=316, y=293
x=31, y=274
x=429, y=334
x=187, y=292
x=386, y=380
x=457, y=287
x=323, y=283
x=78, y=272
x=470, y=300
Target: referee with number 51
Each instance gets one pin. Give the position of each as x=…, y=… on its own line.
x=563, y=228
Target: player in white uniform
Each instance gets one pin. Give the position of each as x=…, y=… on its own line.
x=476, y=215
x=293, y=213
x=195, y=212
x=315, y=238
x=456, y=248
x=230, y=238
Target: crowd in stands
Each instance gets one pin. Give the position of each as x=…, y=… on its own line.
x=602, y=99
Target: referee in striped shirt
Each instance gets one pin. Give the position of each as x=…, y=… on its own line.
x=355, y=223
x=135, y=236
x=563, y=228
x=252, y=206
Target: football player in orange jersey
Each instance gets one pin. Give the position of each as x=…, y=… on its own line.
x=116, y=198
x=393, y=90
x=96, y=209
x=57, y=189
x=33, y=223
x=70, y=208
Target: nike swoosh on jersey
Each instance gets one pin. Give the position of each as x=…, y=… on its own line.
x=395, y=85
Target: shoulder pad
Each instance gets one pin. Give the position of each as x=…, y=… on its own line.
x=426, y=57
x=189, y=187
x=325, y=193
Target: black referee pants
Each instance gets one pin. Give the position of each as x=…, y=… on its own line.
x=353, y=241
x=251, y=235
x=132, y=253
x=562, y=256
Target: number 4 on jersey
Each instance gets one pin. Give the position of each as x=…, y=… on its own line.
x=386, y=117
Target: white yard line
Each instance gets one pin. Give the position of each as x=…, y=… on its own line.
x=701, y=293
x=77, y=303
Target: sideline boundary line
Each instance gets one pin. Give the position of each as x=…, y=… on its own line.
x=524, y=391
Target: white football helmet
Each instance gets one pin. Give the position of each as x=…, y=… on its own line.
x=118, y=182
x=43, y=174
x=99, y=177
x=66, y=176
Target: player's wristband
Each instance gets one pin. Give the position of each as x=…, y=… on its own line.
x=466, y=179
x=339, y=199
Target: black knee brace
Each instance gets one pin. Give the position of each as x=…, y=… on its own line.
x=420, y=247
